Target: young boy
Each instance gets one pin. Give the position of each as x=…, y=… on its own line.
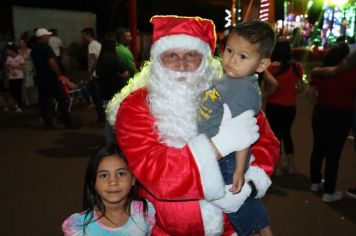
x=247, y=51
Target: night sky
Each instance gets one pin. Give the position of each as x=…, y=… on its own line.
x=113, y=13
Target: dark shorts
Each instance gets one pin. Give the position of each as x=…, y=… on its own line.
x=252, y=215
x=250, y=218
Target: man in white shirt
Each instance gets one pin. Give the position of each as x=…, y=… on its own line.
x=56, y=44
x=94, y=48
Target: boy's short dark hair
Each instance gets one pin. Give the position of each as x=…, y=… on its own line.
x=257, y=32
x=89, y=31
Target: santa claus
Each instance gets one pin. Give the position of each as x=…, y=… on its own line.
x=155, y=122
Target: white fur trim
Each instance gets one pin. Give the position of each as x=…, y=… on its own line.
x=213, y=219
x=260, y=179
x=210, y=175
x=179, y=41
x=139, y=81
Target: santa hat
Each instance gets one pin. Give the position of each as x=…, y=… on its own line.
x=182, y=32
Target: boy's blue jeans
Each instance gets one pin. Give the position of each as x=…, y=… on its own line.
x=252, y=215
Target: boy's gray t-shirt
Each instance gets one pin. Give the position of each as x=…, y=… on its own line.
x=240, y=94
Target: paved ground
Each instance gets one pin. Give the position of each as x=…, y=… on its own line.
x=41, y=179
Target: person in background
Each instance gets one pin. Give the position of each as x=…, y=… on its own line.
x=123, y=38
x=281, y=104
x=296, y=40
x=49, y=86
x=94, y=48
x=111, y=202
x=112, y=78
x=14, y=70
x=325, y=33
x=343, y=28
x=346, y=64
x=29, y=89
x=331, y=122
x=155, y=124
x=306, y=32
x=56, y=44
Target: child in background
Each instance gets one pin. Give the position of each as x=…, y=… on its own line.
x=14, y=67
x=110, y=200
x=247, y=51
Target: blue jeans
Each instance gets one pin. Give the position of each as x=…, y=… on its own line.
x=252, y=215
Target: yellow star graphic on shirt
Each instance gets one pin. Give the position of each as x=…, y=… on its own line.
x=214, y=94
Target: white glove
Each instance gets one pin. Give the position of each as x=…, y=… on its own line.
x=232, y=202
x=236, y=134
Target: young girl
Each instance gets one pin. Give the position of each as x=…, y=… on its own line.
x=14, y=67
x=110, y=199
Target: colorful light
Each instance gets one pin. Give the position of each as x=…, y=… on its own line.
x=338, y=2
x=228, y=18
x=264, y=10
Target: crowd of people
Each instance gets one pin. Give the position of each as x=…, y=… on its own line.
x=191, y=141
x=33, y=72
x=303, y=33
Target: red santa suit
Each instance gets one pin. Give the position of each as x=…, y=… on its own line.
x=181, y=182
x=171, y=177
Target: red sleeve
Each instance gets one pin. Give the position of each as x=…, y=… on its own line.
x=168, y=173
x=273, y=69
x=267, y=149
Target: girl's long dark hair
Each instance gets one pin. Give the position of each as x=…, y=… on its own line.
x=282, y=53
x=91, y=199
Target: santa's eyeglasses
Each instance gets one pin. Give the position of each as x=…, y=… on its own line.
x=174, y=59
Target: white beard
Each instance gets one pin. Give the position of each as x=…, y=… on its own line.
x=174, y=103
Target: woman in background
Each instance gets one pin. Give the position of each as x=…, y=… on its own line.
x=112, y=77
x=331, y=121
x=29, y=89
x=281, y=104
